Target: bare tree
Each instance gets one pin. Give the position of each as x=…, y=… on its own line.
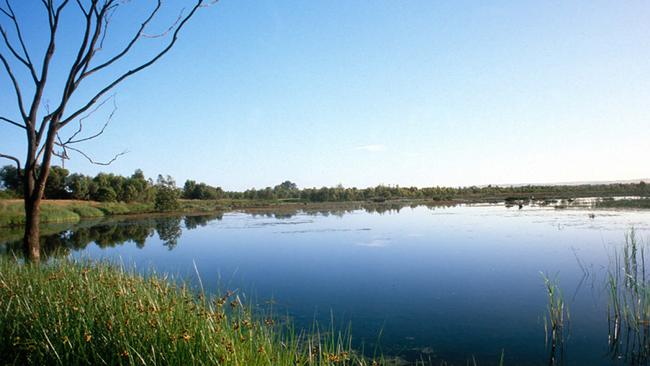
x=42, y=125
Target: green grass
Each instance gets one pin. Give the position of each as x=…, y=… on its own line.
x=12, y=214
x=85, y=211
x=95, y=313
x=123, y=208
x=70, y=211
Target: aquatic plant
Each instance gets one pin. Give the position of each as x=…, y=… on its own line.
x=556, y=320
x=628, y=310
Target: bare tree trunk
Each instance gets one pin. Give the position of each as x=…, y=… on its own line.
x=31, y=240
x=33, y=194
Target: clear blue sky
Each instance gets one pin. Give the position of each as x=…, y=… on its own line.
x=367, y=92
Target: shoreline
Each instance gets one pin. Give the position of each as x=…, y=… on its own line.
x=73, y=211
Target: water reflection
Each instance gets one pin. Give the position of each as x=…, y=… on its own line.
x=61, y=239
x=115, y=232
x=441, y=282
x=343, y=208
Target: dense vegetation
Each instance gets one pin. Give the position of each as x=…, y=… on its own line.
x=115, y=188
x=87, y=313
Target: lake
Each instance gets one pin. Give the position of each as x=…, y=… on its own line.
x=439, y=283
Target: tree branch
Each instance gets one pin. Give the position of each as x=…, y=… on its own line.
x=27, y=61
x=89, y=158
x=38, y=94
x=101, y=17
x=19, y=95
x=125, y=50
x=169, y=29
x=143, y=66
x=12, y=122
x=72, y=140
x=14, y=159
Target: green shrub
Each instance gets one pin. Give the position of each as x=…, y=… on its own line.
x=106, y=194
x=166, y=199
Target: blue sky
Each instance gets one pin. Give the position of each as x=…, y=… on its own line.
x=375, y=92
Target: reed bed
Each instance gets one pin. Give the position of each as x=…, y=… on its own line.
x=71, y=313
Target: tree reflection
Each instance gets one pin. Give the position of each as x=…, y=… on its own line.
x=169, y=230
x=192, y=222
x=112, y=233
x=341, y=209
x=62, y=239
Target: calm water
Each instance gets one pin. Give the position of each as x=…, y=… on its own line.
x=441, y=283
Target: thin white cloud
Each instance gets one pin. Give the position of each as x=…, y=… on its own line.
x=371, y=148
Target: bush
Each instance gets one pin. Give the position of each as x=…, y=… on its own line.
x=166, y=199
x=105, y=194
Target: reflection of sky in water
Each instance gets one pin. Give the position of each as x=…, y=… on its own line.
x=453, y=282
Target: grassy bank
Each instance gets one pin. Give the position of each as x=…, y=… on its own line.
x=71, y=211
x=72, y=313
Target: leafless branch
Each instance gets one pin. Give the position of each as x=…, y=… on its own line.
x=63, y=155
x=93, y=161
x=15, y=159
x=102, y=17
x=60, y=8
x=126, y=49
x=209, y=3
x=107, y=22
x=19, y=95
x=27, y=61
x=72, y=140
x=53, y=16
x=143, y=66
x=12, y=122
x=81, y=7
x=166, y=32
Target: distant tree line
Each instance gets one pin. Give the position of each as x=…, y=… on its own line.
x=380, y=193
x=108, y=187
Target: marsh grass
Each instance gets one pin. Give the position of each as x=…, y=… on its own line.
x=70, y=313
x=556, y=320
x=628, y=310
